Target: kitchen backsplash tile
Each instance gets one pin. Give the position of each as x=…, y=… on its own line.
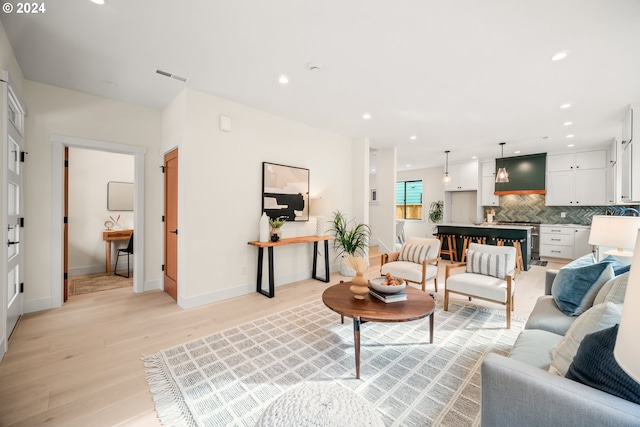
x=531, y=208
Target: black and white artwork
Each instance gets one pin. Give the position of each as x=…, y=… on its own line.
x=285, y=192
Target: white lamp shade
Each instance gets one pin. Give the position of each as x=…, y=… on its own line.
x=614, y=231
x=627, y=350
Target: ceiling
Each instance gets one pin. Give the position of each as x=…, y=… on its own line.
x=460, y=75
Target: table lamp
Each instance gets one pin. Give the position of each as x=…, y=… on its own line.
x=627, y=350
x=615, y=232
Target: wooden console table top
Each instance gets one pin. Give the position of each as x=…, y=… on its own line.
x=290, y=241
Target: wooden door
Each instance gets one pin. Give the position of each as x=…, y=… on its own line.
x=171, y=223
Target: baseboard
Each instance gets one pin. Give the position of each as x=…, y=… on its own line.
x=3, y=348
x=152, y=285
x=31, y=306
x=91, y=269
x=245, y=289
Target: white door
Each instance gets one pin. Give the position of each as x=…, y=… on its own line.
x=13, y=142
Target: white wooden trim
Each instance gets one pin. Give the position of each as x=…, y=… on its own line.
x=58, y=142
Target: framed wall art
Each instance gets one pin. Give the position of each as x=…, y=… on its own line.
x=285, y=192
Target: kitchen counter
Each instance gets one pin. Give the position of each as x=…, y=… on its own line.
x=489, y=225
x=491, y=232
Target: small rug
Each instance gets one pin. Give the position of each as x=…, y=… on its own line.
x=538, y=262
x=98, y=282
x=231, y=377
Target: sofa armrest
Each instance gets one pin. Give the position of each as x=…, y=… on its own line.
x=517, y=394
x=548, y=280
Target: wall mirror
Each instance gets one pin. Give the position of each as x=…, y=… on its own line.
x=285, y=192
x=119, y=196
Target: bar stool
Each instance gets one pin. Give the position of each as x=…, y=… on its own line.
x=471, y=239
x=451, y=250
x=517, y=243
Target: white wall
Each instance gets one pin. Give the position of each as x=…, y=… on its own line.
x=89, y=173
x=220, y=186
x=382, y=215
x=54, y=110
x=432, y=190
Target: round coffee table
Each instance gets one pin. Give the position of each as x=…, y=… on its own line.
x=340, y=299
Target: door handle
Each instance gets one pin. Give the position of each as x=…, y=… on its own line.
x=173, y=231
x=9, y=243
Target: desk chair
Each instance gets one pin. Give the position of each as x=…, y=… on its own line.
x=129, y=251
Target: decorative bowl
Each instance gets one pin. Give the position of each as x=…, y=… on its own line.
x=476, y=221
x=377, y=284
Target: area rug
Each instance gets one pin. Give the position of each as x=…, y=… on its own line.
x=97, y=282
x=229, y=378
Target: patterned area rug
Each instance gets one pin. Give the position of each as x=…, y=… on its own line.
x=229, y=378
x=98, y=282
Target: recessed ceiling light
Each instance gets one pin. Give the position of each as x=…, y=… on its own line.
x=571, y=145
x=412, y=137
x=565, y=106
x=558, y=56
x=366, y=116
x=570, y=135
x=567, y=123
x=283, y=79
x=408, y=166
x=474, y=157
x=100, y=2
x=517, y=152
x=373, y=170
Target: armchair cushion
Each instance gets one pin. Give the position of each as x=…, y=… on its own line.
x=409, y=270
x=488, y=264
x=575, y=288
x=413, y=253
x=479, y=285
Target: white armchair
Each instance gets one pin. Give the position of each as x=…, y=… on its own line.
x=489, y=275
x=416, y=262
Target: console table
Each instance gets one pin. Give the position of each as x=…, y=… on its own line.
x=112, y=235
x=290, y=241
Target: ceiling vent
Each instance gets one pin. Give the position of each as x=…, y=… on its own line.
x=170, y=75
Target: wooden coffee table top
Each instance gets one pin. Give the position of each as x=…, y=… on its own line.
x=340, y=299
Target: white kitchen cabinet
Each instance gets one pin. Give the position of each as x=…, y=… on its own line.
x=464, y=177
x=487, y=196
x=630, y=159
x=564, y=241
x=581, y=244
x=488, y=184
x=577, y=179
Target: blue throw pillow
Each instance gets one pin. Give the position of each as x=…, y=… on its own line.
x=575, y=288
x=587, y=259
x=595, y=366
x=619, y=267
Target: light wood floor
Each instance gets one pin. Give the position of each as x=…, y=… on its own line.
x=80, y=365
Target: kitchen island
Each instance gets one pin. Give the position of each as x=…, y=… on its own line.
x=491, y=232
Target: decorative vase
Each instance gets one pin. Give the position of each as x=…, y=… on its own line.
x=264, y=228
x=277, y=232
x=321, y=226
x=345, y=270
x=359, y=286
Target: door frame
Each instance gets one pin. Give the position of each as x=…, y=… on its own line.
x=58, y=142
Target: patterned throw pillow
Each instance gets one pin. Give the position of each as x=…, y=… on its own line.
x=488, y=264
x=413, y=253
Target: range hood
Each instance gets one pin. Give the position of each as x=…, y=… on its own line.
x=526, y=175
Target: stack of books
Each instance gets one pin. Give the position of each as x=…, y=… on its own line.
x=398, y=296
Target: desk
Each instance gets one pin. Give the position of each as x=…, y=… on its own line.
x=113, y=235
x=290, y=241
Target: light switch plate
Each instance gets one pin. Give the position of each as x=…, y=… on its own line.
x=225, y=123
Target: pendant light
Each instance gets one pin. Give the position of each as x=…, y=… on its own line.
x=446, y=178
x=502, y=175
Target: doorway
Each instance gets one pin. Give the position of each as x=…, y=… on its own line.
x=59, y=142
x=100, y=198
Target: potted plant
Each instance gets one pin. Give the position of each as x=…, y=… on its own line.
x=275, y=227
x=435, y=213
x=350, y=239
